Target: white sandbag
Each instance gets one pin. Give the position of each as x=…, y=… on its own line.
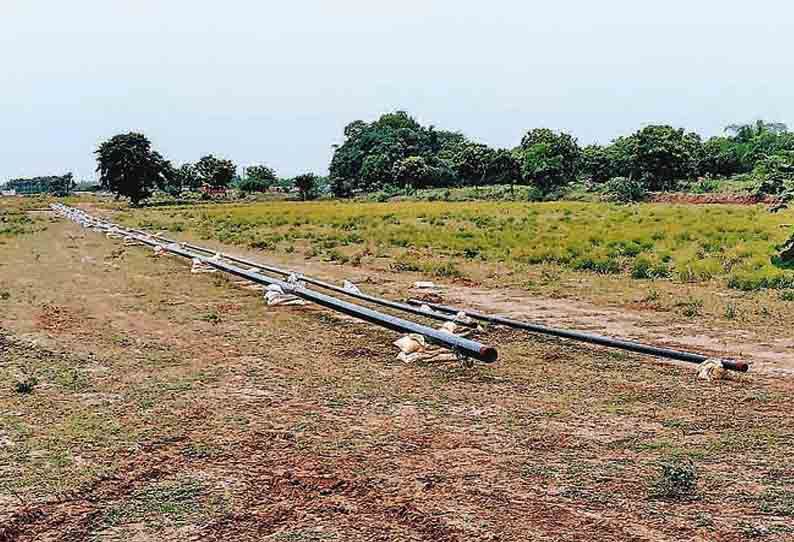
x=201, y=267
x=424, y=285
x=414, y=348
x=411, y=343
x=350, y=287
x=711, y=369
x=463, y=318
x=295, y=281
x=274, y=295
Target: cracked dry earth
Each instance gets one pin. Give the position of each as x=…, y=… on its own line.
x=171, y=406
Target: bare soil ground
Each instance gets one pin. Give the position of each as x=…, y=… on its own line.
x=170, y=406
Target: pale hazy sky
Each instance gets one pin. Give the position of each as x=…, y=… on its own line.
x=276, y=82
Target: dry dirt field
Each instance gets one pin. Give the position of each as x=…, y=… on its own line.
x=141, y=402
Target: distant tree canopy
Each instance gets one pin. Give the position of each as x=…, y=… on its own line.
x=396, y=150
x=549, y=159
x=261, y=173
x=58, y=185
x=129, y=167
x=215, y=172
x=308, y=185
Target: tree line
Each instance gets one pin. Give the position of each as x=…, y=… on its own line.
x=128, y=166
x=58, y=185
x=396, y=151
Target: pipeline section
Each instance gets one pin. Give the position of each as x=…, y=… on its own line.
x=729, y=364
x=322, y=284
x=460, y=345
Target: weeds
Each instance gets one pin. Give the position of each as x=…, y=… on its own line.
x=26, y=385
x=212, y=317
x=735, y=244
x=677, y=481
x=691, y=308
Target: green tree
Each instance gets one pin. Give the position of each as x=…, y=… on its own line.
x=775, y=174
x=597, y=163
x=722, y=157
x=413, y=172
x=658, y=156
x=187, y=178
x=63, y=185
x=473, y=163
x=308, y=186
x=215, y=172
x=549, y=159
x=366, y=160
x=261, y=173
x=129, y=167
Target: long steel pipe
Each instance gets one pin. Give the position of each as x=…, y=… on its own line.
x=733, y=365
x=338, y=289
x=319, y=283
x=463, y=346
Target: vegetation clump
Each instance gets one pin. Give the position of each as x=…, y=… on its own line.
x=677, y=481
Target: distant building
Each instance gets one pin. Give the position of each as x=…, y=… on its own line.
x=8, y=193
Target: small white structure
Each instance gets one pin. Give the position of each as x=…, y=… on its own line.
x=8, y=193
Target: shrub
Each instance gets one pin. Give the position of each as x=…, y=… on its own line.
x=25, y=386
x=625, y=190
x=775, y=174
x=704, y=186
x=677, y=481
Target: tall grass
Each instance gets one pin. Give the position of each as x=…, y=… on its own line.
x=681, y=242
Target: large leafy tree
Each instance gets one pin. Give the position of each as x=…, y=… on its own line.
x=366, y=160
x=261, y=173
x=412, y=172
x=775, y=174
x=308, y=185
x=597, y=163
x=658, y=156
x=216, y=172
x=473, y=163
x=722, y=156
x=504, y=167
x=549, y=159
x=187, y=178
x=63, y=185
x=129, y=167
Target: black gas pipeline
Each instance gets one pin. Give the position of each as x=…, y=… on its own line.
x=460, y=345
x=732, y=365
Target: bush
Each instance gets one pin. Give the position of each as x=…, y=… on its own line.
x=775, y=174
x=704, y=186
x=625, y=190
x=678, y=481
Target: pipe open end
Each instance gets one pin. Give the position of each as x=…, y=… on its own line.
x=738, y=366
x=488, y=354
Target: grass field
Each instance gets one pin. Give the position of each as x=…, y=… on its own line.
x=140, y=402
x=735, y=245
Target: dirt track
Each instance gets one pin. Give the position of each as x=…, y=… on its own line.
x=172, y=406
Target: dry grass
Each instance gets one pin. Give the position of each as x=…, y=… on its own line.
x=688, y=244
x=148, y=421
